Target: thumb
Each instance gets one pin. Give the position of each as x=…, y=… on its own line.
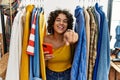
x=66, y=41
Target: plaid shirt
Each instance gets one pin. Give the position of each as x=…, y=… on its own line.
x=93, y=44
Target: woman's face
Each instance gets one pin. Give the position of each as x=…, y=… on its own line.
x=60, y=24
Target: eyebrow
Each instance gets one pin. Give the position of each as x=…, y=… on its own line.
x=60, y=18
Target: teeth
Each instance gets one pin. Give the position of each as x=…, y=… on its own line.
x=61, y=27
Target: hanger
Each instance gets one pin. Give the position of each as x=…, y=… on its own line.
x=42, y=5
x=35, y=2
x=80, y=3
x=83, y=3
x=98, y=1
x=90, y=3
x=22, y=4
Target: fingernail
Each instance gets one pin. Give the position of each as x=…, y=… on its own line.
x=67, y=43
x=68, y=30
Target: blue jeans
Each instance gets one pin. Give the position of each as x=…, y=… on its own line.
x=51, y=75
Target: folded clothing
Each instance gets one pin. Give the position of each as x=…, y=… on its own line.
x=117, y=43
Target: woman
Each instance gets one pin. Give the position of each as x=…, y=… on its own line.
x=61, y=36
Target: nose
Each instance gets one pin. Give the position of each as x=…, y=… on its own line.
x=61, y=22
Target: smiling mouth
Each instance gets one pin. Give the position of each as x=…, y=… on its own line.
x=61, y=27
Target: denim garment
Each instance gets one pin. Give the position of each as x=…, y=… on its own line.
x=36, y=58
x=117, y=30
x=117, y=43
x=31, y=57
x=102, y=66
x=117, y=37
x=36, y=78
x=99, y=40
x=79, y=66
x=98, y=17
x=104, y=58
x=51, y=75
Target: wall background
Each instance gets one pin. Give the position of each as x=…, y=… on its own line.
x=50, y=5
x=115, y=21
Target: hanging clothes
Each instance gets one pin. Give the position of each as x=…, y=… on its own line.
x=99, y=46
x=87, y=27
x=117, y=37
x=78, y=70
x=24, y=69
x=32, y=37
x=42, y=31
x=1, y=39
x=31, y=42
x=31, y=67
x=3, y=31
x=93, y=44
x=15, y=47
x=36, y=58
x=103, y=51
x=10, y=13
x=6, y=2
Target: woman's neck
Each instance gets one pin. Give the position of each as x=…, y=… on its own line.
x=58, y=37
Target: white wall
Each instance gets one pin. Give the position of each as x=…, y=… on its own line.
x=50, y=5
x=115, y=21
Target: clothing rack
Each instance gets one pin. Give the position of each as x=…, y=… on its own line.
x=10, y=12
x=37, y=3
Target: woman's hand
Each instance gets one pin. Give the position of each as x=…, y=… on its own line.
x=70, y=37
x=47, y=55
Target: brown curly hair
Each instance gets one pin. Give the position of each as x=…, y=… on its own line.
x=52, y=17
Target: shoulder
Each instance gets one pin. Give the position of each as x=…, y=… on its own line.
x=47, y=38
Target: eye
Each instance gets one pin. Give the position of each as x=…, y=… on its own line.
x=57, y=20
x=65, y=21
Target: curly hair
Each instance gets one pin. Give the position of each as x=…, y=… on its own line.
x=52, y=17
